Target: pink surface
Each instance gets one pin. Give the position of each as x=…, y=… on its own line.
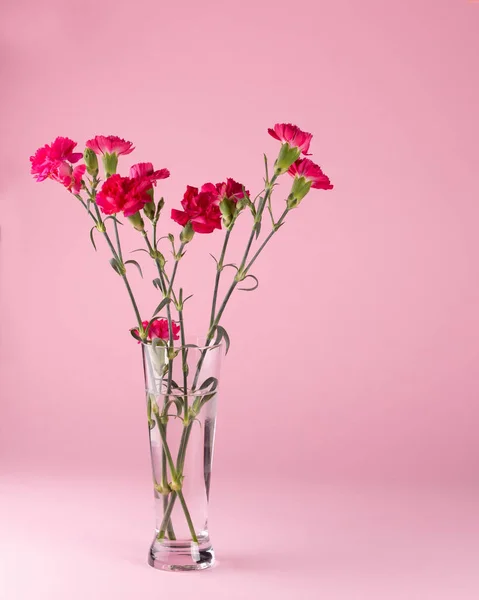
x=355, y=360
x=77, y=538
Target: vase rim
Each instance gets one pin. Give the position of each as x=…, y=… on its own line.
x=185, y=346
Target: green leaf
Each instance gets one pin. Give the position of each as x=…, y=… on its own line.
x=178, y=404
x=160, y=306
x=258, y=229
x=113, y=219
x=134, y=333
x=156, y=341
x=140, y=250
x=133, y=262
x=221, y=334
x=91, y=237
x=231, y=265
x=188, y=297
x=216, y=261
x=157, y=283
x=210, y=381
x=116, y=266
x=251, y=288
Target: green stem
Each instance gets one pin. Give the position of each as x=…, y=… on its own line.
x=219, y=269
x=167, y=516
x=184, y=354
x=272, y=232
x=188, y=517
x=117, y=238
x=133, y=301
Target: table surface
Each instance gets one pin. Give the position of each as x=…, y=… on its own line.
x=81, y=538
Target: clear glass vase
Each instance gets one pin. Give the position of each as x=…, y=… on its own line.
x=181, y=397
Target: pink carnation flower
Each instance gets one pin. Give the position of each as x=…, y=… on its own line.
x=123, y=194
x=230, y=189
x=292, y=135
x=201, y=208
x=159, y=329
x=109, y=144
x=70, y=177
x=47, y=160
x=311, y=172
x=146, y=170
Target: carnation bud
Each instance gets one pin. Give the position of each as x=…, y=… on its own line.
x=286, y=157
x=137, y=222
x=228, y=209
x=110, y=163
x=300, y=188
x=149, y=210
x=187, y=233
x=91, y=162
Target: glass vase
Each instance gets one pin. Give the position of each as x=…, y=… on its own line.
x=181, y=398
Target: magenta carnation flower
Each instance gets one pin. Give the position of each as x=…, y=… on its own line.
x=48, y=160
x=292, y=135
x=146, y=170
x=109, y=144
x=159, y=329
x=230, y=189
x=123, y=194
x=201, y=209
x=311, y=172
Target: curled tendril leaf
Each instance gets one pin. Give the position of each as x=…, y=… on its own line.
x=230, y=265
x=133, y=262
x=221, y=334
x=210, y=381
x=207, y=398
x=251, y=288
x=91, y=237
x=178, y=404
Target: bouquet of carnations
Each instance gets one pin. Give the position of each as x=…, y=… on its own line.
x=181, y=375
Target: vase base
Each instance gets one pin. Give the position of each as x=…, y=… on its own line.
x=181, y=556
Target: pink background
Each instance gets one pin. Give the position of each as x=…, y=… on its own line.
x=352, y=366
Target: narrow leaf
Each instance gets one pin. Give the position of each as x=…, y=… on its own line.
x=141, y=250
x=113, y=218
x=258, y=229
x=222, y=334
x=115, y=266
x=161, y=305
x=133, y=262
x=91, y=237
x=157, y=283
x=216, y=261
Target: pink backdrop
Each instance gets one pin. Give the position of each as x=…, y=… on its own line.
x=356, y=359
